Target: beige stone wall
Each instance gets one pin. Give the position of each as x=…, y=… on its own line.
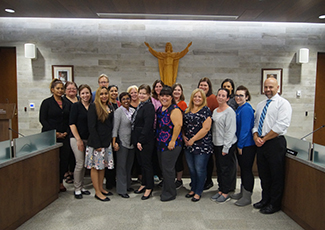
x=220, y=50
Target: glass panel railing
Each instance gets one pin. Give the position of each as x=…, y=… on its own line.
x=301, y=147
x=319, y=155
x=5, y=151
x=32, y=143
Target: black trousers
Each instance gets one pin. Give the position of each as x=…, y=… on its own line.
x=65, y=152
x=246, y=161
x=179, y=166
x=271, y=169
x=145, y=160
x=226, y=165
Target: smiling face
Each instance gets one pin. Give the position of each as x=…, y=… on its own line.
x=71, y=91
x=134, y=94
x=271, y=87
x=177, y=93
x=103, y=82
x=222, y=97
x=165, y=100
x=58, y=90
x=113, y=93
x=158, y=88
x=197, y=99
x=143, y=95
x=85, y=95
x=227, y=85
x=204, y=86
x=125, y=101
x=241, y=97
x=104, y=95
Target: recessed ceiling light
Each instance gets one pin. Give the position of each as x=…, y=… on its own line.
x=10, y=11
x=322, y=16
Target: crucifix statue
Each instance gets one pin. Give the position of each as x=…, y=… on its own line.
x=168, y=62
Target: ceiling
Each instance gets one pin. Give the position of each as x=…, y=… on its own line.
x=246, y=10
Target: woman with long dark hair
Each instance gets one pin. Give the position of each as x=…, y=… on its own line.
x=100, y=124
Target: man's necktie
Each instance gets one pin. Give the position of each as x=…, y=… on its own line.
x=260, y=124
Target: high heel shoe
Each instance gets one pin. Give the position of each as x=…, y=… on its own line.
x=140, y=191
x=146, y=197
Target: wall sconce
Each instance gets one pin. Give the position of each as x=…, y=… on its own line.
x=30, y=51
x=303, y=56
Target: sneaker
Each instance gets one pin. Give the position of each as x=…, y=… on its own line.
x=156, y=178
x=215, y=196
x=223, y=199
x=178, y=184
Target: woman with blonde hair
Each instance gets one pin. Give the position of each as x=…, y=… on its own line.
x=198, y=141
x=133, y=91
x=100, y=124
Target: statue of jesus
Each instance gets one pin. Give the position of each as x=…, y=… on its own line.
x=168, y=62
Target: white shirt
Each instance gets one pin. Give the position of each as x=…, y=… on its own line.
x=278, y=116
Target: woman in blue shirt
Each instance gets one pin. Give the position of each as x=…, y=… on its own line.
x=245, y=145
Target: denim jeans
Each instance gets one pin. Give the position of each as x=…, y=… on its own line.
x=197, y=165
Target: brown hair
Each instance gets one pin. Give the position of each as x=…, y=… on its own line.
x=241, y=87
x=207, y=80
x=145, y=87
x=101, y=111
x=182, y=97
x=54, y=83
x=85, y=86
x=70, y=83
x=154, y=94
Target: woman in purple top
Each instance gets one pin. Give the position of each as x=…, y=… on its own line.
x=169, y=141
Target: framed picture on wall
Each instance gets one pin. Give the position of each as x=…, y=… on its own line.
x=276, y=73
x=62, y=72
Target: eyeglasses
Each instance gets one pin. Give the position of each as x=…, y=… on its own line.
x=239, y=95
x=70, y=89
x=125, y=99
x=103, y=82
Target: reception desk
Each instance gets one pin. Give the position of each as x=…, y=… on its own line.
x=304, y=192
x=28, y=183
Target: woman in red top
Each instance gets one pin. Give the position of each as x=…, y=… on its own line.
x=179, y=99
x=206, y=86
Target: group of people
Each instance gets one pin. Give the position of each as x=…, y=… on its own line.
x=107, y=131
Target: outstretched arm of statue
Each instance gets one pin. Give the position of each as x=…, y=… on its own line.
x=182, y=54
x=154, y=52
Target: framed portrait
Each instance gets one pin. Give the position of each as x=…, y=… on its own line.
x=276, y=73
x=62, y=72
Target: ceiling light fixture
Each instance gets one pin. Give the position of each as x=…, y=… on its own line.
x=322, y=16
x=167, y=16
x=11, y=11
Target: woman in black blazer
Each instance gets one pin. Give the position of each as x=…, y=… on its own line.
x=143, y=139
x=54, y=114
x=100, y=125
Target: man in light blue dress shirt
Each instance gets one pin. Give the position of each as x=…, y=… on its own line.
x=272, y=119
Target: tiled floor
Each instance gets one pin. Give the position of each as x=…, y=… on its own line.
x=134, y=213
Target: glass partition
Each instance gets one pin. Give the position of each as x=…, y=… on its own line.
x=5, y=151
x=319, y=155
x=32, y=143
x=300, y=146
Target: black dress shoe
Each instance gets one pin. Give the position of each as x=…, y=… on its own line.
x=208, y=186
x=106, y=198
x=146, y=197
x=124, y=195
x=195, y=199
x=85, y=192
x=189, y=195
x=107, y=194
x=260, y=204
x=269, y=209
x=140, y=191
x=130, y=190
x=78, y=196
